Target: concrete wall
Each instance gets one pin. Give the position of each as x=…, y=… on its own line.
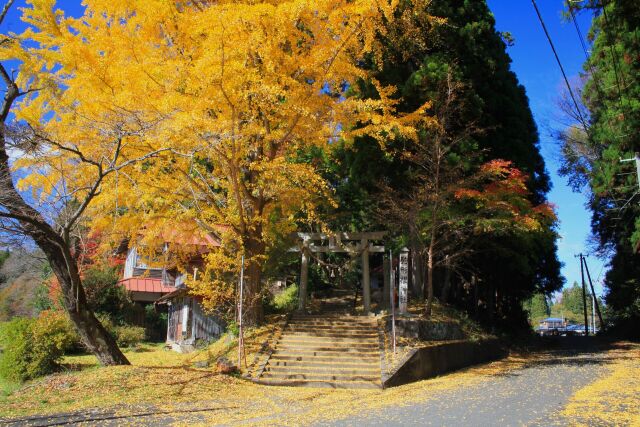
x=426, y=330
x=428, y=362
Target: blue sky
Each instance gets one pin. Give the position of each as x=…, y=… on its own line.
x=537, y=70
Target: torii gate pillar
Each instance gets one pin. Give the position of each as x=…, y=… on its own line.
x=304, y=276
x=366, y=278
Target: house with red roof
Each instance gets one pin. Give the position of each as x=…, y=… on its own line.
x=158, y=277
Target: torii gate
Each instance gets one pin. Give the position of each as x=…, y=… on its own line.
x=353, y=243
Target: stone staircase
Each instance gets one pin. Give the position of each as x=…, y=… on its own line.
x=326, y=350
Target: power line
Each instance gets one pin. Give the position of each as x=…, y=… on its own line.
x=564, y=74
x=614, y=55
x=566, y=81
x=594, y=75
x=598, y=85
x=572, y=95
x=587, y=58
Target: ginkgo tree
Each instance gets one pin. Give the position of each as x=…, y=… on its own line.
x=193, y=110
x=65, y=175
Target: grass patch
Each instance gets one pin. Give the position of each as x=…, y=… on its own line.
x=156, y=376
x=7, y=387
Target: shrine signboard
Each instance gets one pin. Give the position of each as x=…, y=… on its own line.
x=403, y=279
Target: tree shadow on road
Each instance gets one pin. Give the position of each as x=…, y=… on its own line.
x=569, y=351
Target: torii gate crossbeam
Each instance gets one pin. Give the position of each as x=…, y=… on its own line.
x=338, y=242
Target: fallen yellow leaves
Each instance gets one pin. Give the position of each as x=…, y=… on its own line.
x=165, y=379
x=613, y=399
x=163, y=382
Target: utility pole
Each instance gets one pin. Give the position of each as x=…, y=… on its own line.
x=636, y=159
x=595, y=301
x=584, y=297
x=392, y=290
x=240, y=326
x=593, y=314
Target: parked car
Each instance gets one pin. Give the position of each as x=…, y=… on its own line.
x=575, y=330
x=551, y=326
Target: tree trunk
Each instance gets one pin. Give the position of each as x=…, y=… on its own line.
x=429, y=282
x=417, y=269
x=255, y=250
x=444, y=295
x=491, y=303
x=476, y=294
x=57, y=250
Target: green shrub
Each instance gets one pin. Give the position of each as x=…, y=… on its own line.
x=34, y=347
x=155, y=324
x=106, y=321
x=233, y=328
x=125, y=335
x=104, y=294
x=286, y=300
x=129, y=336
x=14, y=339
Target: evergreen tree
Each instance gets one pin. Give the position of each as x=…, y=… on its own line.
x=417, y=55
x=572, y=299
x=538, y=307
x=592, y=156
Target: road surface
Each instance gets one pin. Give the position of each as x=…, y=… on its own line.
x=532, y=396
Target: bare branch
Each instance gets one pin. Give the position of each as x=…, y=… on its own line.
x=5, y=10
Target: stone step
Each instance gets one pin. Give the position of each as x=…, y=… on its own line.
x=319, y=370
x=328, y=356
x=326, y=350
x=325, y=345
x=332, y=334
x=372, y=363
x=319, y=377
x=300, y=347
x=334, y=326
x=314, y=349
x=322, y=384
x=369, y=340
x=340, y=319
x=342, y=353
x=334, y=317
x=334, y=323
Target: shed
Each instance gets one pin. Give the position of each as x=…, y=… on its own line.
x=188, y=323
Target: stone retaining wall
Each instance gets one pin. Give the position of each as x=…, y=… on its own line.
x=428, y=362
x=426, y=330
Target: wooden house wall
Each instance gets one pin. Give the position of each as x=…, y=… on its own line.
x=175, y=316
x=204, y=327
x=200, y=326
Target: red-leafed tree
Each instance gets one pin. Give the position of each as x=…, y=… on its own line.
x=497, y=200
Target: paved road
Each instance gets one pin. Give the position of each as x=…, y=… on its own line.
x=532, y=396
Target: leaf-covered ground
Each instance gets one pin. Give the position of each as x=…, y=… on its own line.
x=162, y=387
x=614, y=399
